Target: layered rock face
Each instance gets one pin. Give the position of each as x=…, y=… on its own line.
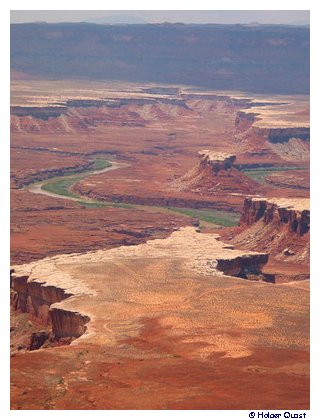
x=242, y=266
x=218, y=161
x=67, y=324
x=289, y=213
x=37, y=297
x=280, y=227
x=275, y=131
x=216, y=172
x=283, y=135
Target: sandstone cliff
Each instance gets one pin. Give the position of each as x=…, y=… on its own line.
x=282, y=135
x=216, y=172
x=293, y=215
x=277, y=226
x=38, y=297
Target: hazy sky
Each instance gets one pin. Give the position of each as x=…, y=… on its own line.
x=295, y=17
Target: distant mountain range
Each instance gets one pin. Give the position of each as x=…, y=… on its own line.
x=254, y=58
x=125, y=18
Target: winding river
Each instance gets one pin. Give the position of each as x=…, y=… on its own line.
x=209, y=217
x=37, y=188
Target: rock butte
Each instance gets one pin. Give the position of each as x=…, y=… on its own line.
x=216, y=173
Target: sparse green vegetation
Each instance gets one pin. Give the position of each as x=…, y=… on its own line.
x=216, y=217
x=259, y=174
x=101, y=163
x=117, y=205
x=62, y=185
x=92, y=204
x=98, y=204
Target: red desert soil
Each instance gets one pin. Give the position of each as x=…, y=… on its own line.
x=291, y=179
x=48, y=226
x=32, y=165
x=166, y=331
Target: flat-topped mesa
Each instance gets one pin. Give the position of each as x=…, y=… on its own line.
x=217, y=160
x=293, y=214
